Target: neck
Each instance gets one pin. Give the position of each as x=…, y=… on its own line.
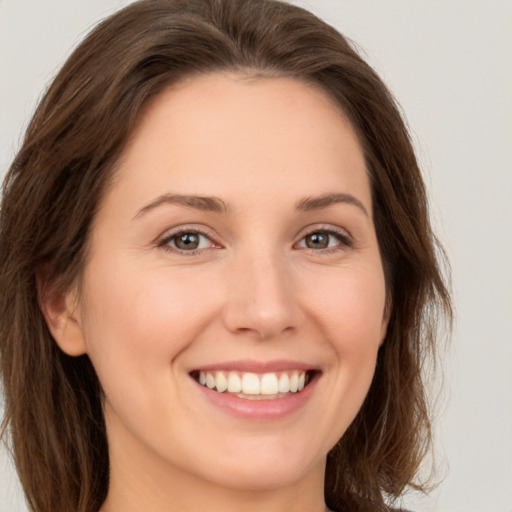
x=135, y=487
x=143, y=479
x=185, y=493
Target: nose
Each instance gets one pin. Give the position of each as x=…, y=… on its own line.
x=260, y=299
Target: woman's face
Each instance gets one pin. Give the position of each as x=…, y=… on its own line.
x=236, y=246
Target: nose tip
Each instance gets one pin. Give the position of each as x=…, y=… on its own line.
x=261, y=301
x=261, y=320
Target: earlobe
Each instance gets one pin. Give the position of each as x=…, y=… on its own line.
x=385, y=322
x=61, y=312
x=383, y=332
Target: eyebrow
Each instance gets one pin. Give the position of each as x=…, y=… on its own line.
x=217, y=205
x=324, y=201
x=207, y=204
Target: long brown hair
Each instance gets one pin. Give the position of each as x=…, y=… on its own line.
x=53, y=409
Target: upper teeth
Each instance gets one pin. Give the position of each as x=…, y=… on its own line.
x=252, y=383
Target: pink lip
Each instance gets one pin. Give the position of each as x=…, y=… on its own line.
x=259, y=409
x=257, y=366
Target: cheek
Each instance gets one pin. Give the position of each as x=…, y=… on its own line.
x=134, y=322
x=351, y=312
x=361, y=330
x=351, y=307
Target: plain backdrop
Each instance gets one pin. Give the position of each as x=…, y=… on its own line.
x=449, y=63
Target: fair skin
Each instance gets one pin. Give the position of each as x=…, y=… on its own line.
x=279, y=274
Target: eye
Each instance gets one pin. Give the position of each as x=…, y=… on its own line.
x=187, y=241
x=325, y=240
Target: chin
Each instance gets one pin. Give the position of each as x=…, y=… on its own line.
x=265, y=469
x=263, y=477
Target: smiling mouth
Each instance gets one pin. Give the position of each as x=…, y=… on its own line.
x=255, y=386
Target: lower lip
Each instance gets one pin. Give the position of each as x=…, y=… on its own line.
x=259, y=409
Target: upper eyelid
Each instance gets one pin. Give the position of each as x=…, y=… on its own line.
x=184, y=228
x=344, y=237
x=328, y=228
x=211, y=234
x=172, y=233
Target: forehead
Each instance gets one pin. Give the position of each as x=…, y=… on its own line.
x=207, y=134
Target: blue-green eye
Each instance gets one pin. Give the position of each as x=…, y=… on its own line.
x=323, y=239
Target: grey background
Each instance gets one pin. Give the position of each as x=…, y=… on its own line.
x=449, y=63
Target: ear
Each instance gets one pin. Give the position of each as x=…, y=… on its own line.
x=61, y=312
x=385, y=321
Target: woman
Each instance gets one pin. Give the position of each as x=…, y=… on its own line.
x=219, y=282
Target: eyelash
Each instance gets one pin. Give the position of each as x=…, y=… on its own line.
x=344, y=239
x=164, y=243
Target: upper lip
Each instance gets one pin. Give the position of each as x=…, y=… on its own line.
x=254, y=366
